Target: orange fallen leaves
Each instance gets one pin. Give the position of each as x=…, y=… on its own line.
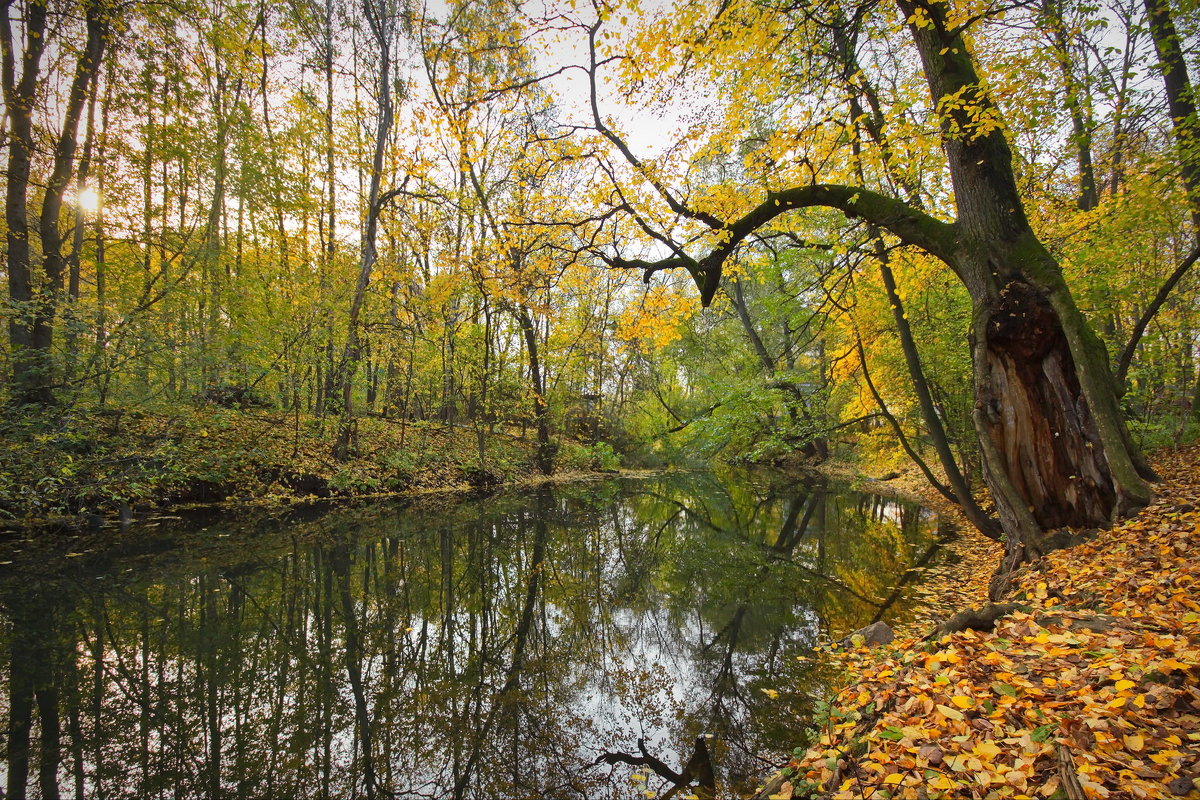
x=1103, y=673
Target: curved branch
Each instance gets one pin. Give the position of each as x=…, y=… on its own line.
x=941, y=488
x=645, y=759
x=648, y=268
x=911, y=225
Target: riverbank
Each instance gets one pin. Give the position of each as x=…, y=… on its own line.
x=97, y=463
x=1088, y=689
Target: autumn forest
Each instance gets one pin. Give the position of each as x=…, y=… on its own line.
x=937, y=231
x=270, y=252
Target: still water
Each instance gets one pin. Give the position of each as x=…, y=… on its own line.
x=494, y=648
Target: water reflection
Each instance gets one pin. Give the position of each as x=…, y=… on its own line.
x=512, y=647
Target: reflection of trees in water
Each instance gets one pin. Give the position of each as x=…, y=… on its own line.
x=496, y=654
x=39, y=677
x=811, y=561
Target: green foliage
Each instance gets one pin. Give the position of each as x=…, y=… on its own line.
x=1159, y=432
x=597, y=456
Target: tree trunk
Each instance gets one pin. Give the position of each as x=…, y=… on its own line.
x=28, y=379
x=1180, y=101
x=541, y=411
x=383, y=29
x=1032, y=410
x=53, y=261
x=765, y=359
x=1055, y=448
x=1077, y=102
x=77, y=235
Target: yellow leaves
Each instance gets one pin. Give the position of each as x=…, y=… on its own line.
x=655, y=322
x=1164, y=757
x=1099, y=678
x=941, y=782
x=969, y=113
x=934, y=661
x=920, y=18
x=950, y=713
x=987, y=750
x=443, y=287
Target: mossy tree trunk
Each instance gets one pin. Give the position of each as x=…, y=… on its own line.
x=1054, y=444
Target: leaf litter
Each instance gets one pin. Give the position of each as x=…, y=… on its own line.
x=1093, y=692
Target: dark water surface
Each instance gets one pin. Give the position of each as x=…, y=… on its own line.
x=489, y=648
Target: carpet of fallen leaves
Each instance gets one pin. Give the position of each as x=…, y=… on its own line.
x=1093, y=692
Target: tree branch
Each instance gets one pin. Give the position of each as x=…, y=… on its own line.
x=912, y=226
x=941, y=488
x=673, y=202
x=1143, y=322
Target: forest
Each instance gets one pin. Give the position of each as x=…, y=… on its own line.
x=265, y=253
x=953, y=234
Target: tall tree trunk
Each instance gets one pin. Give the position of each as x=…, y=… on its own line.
x=1181, y=102
x=765, y=359
x=1077, y=103
x=54, y=262
x=383, y=23
x=541, y=411
x=77, y=238
x=29, y=382
x=99, y=358
x=1055, y=448
x=326, y=389
x=212, y=244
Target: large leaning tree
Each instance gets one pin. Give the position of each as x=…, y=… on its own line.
x=1054, y=445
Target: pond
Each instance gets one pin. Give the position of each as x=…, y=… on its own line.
x=508, y=647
